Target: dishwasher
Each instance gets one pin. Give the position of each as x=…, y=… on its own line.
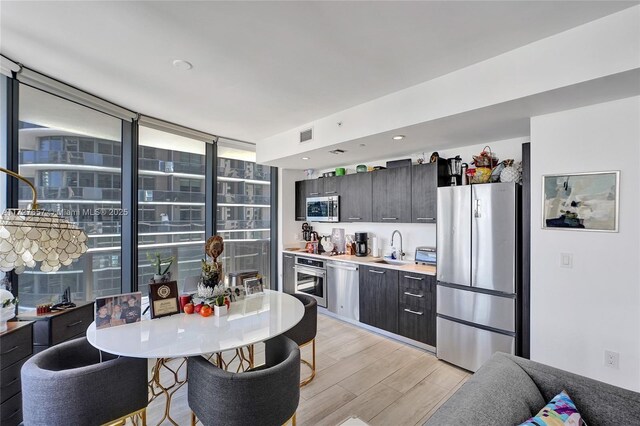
x=343, y=293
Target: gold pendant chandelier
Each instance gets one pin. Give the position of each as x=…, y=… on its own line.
x=30, y=236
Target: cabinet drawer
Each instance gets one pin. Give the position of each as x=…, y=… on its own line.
x=413, y=323
x=11, y=411
x=416, y=287
x=71, y=324
x=15, y=346
x=10, y=380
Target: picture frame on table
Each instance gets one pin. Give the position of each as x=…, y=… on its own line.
x=253, y=285
x=163, y=299
x=119, y=309
x=236, y=293
x=581, y=201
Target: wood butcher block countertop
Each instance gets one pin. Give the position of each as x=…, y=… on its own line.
x=369, y=261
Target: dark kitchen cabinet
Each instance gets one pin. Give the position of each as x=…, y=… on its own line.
x=417, y=307
x=314, y=187
x=379, y=297
x=301, y=200
x=425, y=179
x=288, y=273
x=355, y=198
x=331, y=186
x=392, y=195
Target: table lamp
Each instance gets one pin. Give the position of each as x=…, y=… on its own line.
x=31, y=235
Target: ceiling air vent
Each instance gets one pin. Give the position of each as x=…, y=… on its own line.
x=306, y=135
x=337, y=151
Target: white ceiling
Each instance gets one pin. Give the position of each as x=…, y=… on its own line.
x=261, y=68
x=507, y=120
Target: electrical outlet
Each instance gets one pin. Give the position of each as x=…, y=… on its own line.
x=612, y=359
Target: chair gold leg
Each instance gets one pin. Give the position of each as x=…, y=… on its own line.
x=293, y=420
x=193, y=419
x=144, y=417
x=311, y=365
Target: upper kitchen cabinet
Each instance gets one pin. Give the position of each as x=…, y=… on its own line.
x=425, y=179
x=392, y=195
x=301, y=200
x=314, y=187
x=331, y=186
x=355, y=197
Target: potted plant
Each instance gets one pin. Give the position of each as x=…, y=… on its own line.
x=220, y=307
x=161, y=266
x=212, y=296
x=210, y=273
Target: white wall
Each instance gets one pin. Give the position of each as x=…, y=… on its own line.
x=603, y=47
x=578, y=313
x=287, y=225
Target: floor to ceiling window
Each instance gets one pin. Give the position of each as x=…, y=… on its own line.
x=72, y=154
x=243, y=213
x=171, y=203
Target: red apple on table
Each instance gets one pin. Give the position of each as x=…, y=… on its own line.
x=189, y=308
x=198, y=308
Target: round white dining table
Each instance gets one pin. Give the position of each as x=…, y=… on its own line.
x=254, y=319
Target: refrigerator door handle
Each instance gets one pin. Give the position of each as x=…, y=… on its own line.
x=476, y=208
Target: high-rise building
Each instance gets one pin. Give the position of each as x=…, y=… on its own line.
x=80, y=176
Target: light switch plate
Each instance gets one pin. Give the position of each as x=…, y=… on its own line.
x=566, y=260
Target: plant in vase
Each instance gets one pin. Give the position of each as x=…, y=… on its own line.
x=161, y=266
x=210, y=273
x=212, y=297
x=7, y=308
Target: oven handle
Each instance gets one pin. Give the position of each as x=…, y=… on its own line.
x=311, y=271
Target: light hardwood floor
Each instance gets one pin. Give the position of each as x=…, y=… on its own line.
x=360, y=374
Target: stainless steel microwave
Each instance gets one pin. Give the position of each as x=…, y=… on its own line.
x=323, y=209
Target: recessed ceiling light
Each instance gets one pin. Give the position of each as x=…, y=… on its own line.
x=305, y=158
x=398, y=137
x=181, y=64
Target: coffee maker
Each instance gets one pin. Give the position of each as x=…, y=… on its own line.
x=362, y=245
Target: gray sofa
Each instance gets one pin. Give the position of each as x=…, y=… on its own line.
x=508, y=390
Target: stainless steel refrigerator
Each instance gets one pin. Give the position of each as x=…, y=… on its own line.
x=477, y=271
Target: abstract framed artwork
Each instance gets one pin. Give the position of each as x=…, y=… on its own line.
x=581, y=201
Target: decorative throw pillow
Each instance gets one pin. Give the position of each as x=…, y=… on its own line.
x=559, y=412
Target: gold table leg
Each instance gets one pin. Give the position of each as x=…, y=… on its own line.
x=244, y=355
x=157, y=388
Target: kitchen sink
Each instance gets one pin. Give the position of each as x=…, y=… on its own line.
x=394, y=262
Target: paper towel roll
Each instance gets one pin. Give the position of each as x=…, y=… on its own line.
x=375, y=250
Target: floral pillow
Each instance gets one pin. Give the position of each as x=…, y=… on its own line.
x=559, y=412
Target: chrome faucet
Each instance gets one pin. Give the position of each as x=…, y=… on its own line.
x=401, y=251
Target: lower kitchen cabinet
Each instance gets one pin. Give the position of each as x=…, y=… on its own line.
x=379, y=297
x=288, y=273
x=16, y=346
x=417, y=307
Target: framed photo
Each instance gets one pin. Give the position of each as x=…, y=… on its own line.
x=581, y=201
x=117, y=310
x=253, y=285
x=163, y=299
x=235, y=293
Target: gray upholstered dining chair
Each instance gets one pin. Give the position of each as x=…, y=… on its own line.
x=266, y=395
x=305, y=331
x=68, y=384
